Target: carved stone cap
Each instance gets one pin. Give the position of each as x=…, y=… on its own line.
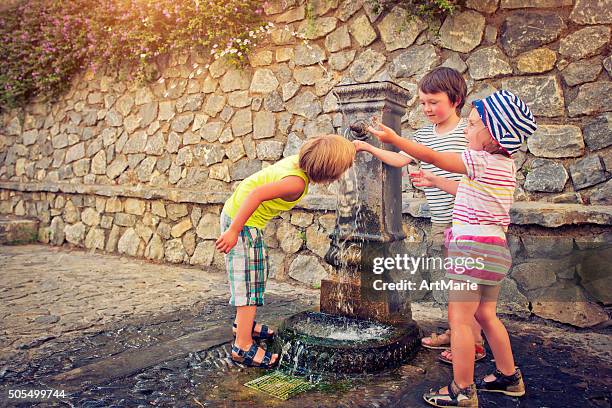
x=372, y=97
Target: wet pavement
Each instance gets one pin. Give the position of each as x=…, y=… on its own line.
x=124, y=347
x=50, y=293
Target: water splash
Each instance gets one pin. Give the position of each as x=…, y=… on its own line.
x=296, y=358
x=345, y=329
x=284, y=352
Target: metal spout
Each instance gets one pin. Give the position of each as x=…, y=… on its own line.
x=359, y=130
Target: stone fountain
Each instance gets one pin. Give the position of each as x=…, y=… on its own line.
x=358, y=329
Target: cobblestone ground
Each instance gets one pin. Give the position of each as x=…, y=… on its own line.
x=48, y=293
x=62, y=311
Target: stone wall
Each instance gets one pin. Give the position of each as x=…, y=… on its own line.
x=144, y=169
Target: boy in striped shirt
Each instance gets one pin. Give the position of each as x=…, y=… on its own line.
x=442, y=93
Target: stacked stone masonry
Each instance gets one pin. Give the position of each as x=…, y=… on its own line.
x=143, y=169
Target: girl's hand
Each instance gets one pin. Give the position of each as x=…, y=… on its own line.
x=385, y=135
x=423, y=178
x=362, y=146
x=227, y=241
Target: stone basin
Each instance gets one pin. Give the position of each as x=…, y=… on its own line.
x=323, y=345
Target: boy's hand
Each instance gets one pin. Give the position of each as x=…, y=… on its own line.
x=423, y=178
x=362, y=146
x=227, y=241
x=385, y=135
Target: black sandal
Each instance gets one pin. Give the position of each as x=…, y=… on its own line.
x=264, y=333
x=511, y=385
x=247, y=357
x=456, y=397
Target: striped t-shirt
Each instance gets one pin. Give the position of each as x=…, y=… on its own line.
x=486, y=193
x=440, y=202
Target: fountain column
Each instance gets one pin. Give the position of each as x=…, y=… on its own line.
x=359, y=330
x=369, y=220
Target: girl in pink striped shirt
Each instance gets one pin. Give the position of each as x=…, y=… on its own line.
x=476, y=243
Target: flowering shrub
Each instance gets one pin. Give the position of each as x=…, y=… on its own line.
x=237, y=48
x=138, y=30
x=45, y=42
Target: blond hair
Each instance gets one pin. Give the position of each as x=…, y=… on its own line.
x=325, y=158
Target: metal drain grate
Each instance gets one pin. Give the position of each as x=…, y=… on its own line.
x=280, y=385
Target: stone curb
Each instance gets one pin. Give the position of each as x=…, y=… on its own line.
x=549, y=215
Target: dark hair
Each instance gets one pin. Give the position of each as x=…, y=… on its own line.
x=447, y=80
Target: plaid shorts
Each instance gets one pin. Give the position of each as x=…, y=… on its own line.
x=247, y=266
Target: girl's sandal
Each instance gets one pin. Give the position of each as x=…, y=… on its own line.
x=264, y=333
x=246, y=357
x=454, y=397
x=437, y=341
x=511, y=385
x=447, y=357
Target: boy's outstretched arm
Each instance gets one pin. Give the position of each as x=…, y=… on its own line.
x=451, y=162
x=391, y=158
x=289, y=188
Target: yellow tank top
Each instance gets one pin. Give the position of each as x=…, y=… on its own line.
x=270, y=208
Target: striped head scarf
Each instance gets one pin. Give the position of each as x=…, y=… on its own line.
x=508, y=118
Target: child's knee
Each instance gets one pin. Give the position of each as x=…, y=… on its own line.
x=485, y=316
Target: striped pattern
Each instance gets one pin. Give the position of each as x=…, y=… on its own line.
x=440, y=202
x=508, y=119
x=486, y=193
x=490, y=252
x=247, y=266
